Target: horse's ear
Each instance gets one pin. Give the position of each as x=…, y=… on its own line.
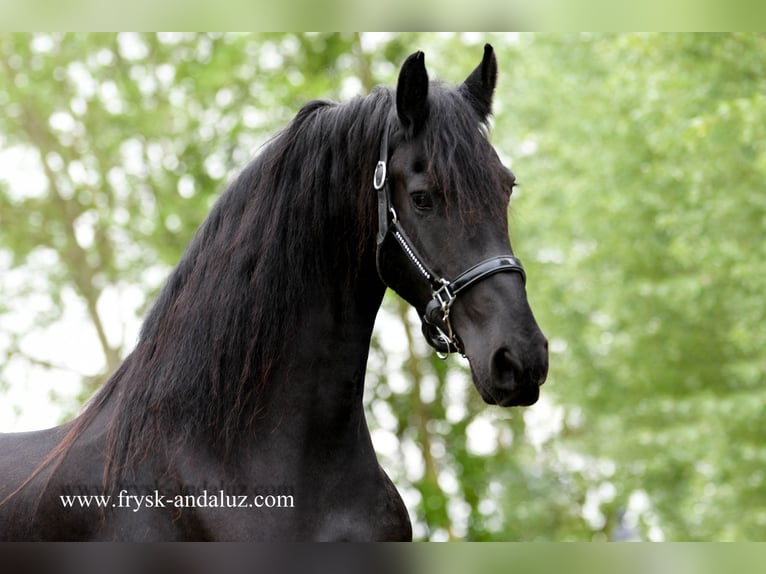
x=480, y=85
x=412, y=93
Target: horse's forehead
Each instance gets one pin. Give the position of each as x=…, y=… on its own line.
x=445, y=143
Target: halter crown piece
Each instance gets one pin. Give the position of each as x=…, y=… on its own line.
x=436, y=325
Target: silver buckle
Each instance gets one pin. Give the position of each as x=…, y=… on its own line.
x=445, y=297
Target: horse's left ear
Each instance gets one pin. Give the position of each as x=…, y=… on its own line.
x=412, y=93
x=480, y=85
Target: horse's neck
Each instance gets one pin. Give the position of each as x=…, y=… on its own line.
x=312, y=422
x=322, y=381
x=312, y=415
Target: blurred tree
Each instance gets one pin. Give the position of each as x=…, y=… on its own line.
x=647, y=213
x=640, y=218
x=135, y=135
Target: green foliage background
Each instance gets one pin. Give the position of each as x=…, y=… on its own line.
x=640, y=217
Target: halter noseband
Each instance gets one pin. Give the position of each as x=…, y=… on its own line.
x=437, y=328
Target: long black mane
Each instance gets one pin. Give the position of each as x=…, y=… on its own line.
x=221, y=323
x=300, y=216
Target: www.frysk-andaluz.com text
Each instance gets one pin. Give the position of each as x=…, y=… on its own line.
x=156, y=499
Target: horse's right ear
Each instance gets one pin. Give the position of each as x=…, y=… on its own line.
x=412, y=93
x=480, y=85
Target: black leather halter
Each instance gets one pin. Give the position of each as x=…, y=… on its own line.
x=436, y=325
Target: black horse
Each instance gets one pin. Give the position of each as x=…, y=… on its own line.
x=239, y=414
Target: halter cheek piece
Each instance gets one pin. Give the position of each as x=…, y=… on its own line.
x=436, y=324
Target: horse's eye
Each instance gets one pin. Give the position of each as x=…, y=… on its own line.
x=422, y=200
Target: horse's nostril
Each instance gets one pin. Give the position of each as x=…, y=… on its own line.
x=504, y=368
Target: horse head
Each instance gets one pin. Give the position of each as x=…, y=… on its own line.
x=443, y=242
